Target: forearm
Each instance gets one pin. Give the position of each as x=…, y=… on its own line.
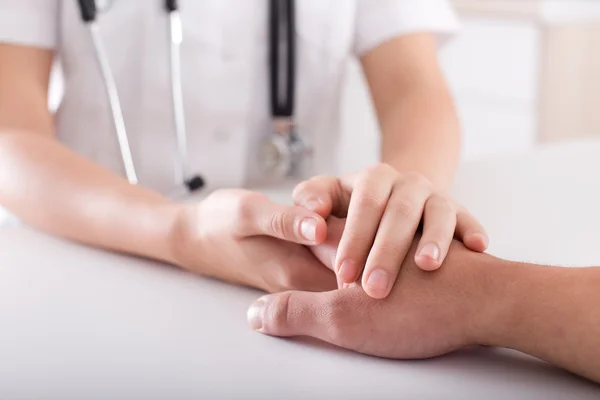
x=421, y=133
x=54, y=189
x=548, y=312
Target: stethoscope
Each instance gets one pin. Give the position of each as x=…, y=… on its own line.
x=281, y=152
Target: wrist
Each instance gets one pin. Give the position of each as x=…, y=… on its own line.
x=162, y=230
x=440, y=178
x=182, y=238
x=478, y=287
x=499, y=283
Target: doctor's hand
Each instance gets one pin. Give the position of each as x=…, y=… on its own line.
x=384, y=209
x=427, y=313
x=244, y=238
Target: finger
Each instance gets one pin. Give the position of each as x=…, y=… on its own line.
x=367, y=205
x=394, y=238
x=470, y=232
x=323, y=195
x=326, y=251
x=258, y=215
x=438, y=231
x=319, y=315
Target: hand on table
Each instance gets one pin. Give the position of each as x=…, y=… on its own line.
x=244, y=238
x=427, y=313
x=384, y=209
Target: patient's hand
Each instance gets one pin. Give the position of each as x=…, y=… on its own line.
x=427, y=313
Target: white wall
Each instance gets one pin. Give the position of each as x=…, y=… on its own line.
x=492, y=69
x=561, y=11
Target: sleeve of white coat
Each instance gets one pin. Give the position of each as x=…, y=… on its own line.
x=29, y=22
x=380, y=20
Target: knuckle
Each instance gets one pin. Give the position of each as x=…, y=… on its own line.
x=336, y=332
x=406, y=209
x=417, y=179
x=354, y=236
x=244, y=203
x=301, y=189
x=335, y=311
x=379, y=169
x=323, y=179
x=367, y=198
x=336, y=307
x=222, y=196
x=276, y=317
x=241, y=212
x=441, y=203
x=315, y=187
x=344, y=315
x=388, y=250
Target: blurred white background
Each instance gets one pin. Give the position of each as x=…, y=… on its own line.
x=523, y=72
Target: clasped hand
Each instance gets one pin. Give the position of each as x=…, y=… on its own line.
x=383, y=210
x=245, y=238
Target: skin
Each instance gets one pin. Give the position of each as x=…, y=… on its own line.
x=385, y=204
x=475, y=299
x=53, y=189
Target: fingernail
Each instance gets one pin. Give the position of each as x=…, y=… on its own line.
x=308, y=229
x=430, y=250
x=480, y=235
x=347, y=271
x=255, y=315
x=378, y=281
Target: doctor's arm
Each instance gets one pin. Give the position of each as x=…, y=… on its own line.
x=419, y=126
x=51, y=187
x=385, y=204
x=54, y=189
x=475, y=299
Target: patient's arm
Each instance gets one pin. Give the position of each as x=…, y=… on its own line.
x=548, y=312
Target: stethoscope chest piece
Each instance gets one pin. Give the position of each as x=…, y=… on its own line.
x=275, y=156
x=284, y=152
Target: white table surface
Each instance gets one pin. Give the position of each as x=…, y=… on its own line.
x=78, y=323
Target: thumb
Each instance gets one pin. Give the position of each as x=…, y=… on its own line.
x=262, y=216
x=301, y=314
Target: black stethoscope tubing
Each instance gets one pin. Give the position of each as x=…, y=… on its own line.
x=282, y=78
